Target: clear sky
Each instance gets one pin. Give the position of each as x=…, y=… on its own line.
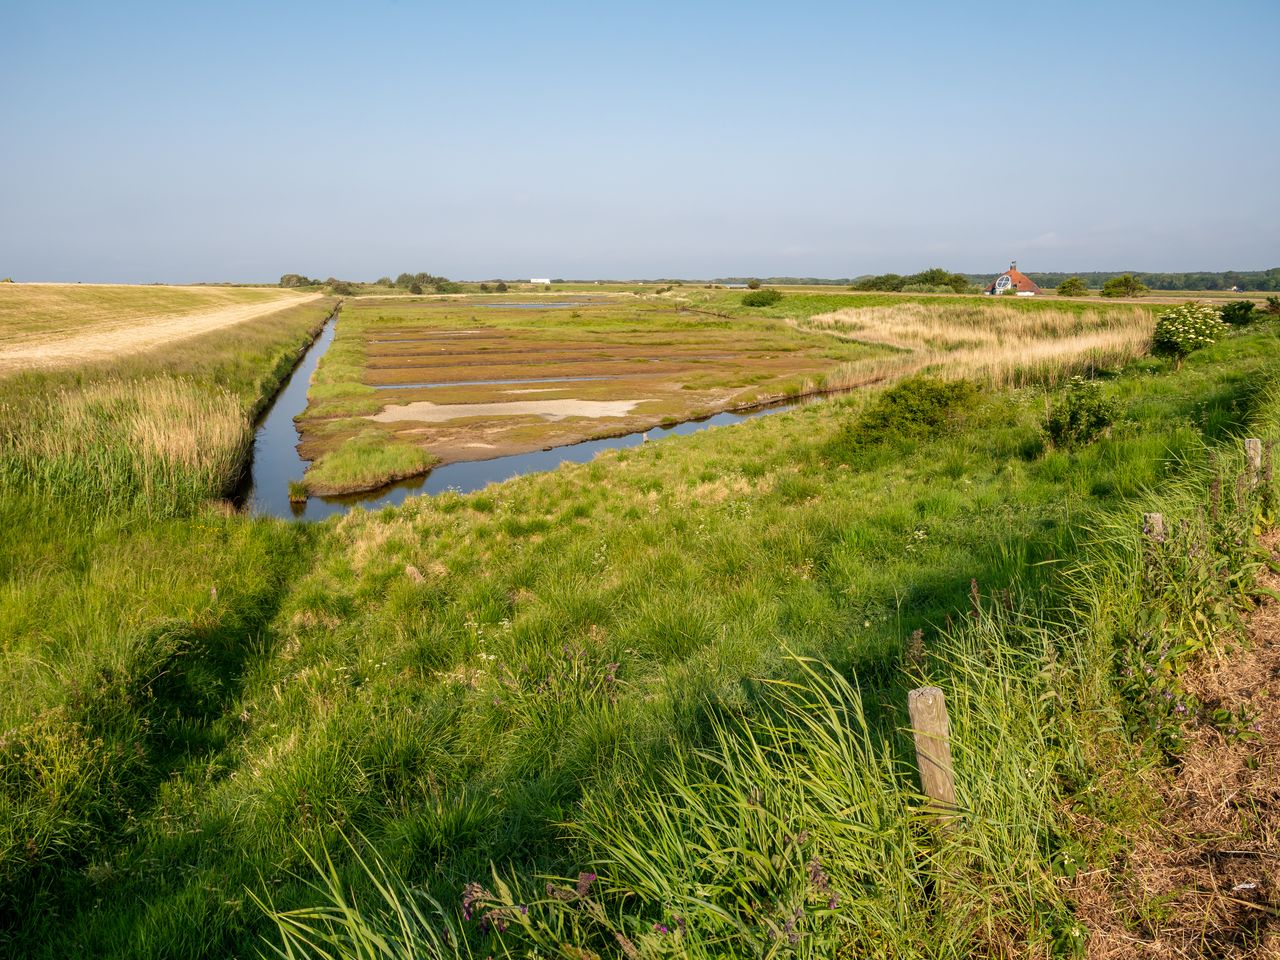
x=179, y=142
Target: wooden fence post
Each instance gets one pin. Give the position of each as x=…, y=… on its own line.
x=1153, y=527
x=1253, y=460
x=929, y=724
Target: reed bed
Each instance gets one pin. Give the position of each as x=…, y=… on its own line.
x=1002, y=345
x=162, y=444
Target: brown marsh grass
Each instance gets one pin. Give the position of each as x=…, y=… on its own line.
x=995, y=343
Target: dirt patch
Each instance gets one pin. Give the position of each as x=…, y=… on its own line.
x=1203, y=882
x=426, y=412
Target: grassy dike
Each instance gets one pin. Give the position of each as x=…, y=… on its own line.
x=595, y=671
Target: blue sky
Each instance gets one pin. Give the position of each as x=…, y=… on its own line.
x=238, y=141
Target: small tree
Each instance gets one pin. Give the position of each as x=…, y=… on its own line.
x=501, y=286
x=484, y=288
x=753, y=284
x=1272, y=309
x=1238, y=313
x=295, y=280
x=1072, y=287
x=415, y=288
x=1184, y=329
x=1125, y=285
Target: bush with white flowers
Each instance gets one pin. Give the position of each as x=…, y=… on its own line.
x=1180, y=330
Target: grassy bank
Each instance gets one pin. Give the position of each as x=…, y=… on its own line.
x=577, y=672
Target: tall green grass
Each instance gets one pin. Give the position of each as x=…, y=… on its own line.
x=197, y=708
x=160, y=446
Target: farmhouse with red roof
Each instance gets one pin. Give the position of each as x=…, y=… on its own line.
x=1013, y=279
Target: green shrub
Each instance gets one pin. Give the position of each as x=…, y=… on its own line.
x=761, y=298
x=1080, y=415
x=1072, y=287
x=1238, y=313
x=1272, y=309
x=1183, y=329
x=915, y=409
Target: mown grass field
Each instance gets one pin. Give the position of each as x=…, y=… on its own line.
x=31, y=312
x=578, y=673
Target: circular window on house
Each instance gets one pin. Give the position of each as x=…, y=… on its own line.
x=1002, y=284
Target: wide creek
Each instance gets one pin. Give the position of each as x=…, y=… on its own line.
x=276, y=461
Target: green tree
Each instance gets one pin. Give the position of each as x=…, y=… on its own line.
x=415, y=288
x=295, y=280
x=1072, y=287
x=1125, y=285
x=501, y=286
x=753, y=284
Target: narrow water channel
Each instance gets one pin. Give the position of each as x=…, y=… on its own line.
x=276, y=461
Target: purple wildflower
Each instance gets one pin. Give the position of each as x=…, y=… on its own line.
x=585, y=880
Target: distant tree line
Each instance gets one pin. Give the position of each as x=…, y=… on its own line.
x=412, y=282
x=1203, y=280
x=782, y=281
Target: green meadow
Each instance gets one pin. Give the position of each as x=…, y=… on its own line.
x=648, y=706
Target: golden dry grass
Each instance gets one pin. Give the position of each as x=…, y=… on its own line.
x=53, y=325
x=995, y=343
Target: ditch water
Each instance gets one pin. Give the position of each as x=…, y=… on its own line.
x=275, y=462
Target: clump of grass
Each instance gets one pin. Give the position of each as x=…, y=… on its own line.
x=366, y=461
x=161, y=445
x=298, y=491
x=405, y=923
x=915, y=409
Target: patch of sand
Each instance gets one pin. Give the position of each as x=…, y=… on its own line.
x=111, y=339
x=426, y=412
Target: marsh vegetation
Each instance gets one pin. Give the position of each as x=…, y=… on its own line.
x=650, y=705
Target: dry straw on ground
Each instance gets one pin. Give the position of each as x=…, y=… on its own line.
x=1203, y=881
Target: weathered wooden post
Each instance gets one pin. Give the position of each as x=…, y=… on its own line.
x=1253, y=460
x=932, y=731
x=1153, y=527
